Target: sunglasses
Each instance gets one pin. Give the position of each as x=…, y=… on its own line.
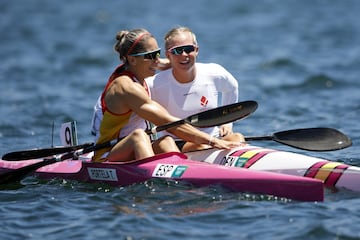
x=180, y=49
x=151, y=55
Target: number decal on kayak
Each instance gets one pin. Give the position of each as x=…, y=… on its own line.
x=105, y=174
x=168, y=171
x=245, y=158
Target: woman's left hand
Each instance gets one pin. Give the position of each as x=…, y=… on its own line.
x=225, y=129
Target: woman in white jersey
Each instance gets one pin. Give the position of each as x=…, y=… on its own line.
x=189, y=87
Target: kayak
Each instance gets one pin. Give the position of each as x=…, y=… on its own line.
x=177, y=167
x=335, y=175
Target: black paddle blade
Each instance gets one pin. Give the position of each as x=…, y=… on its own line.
x=314, y=139
x=42, y=152
x=213, y=117
x=222, y=115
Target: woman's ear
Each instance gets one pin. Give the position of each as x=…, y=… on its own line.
x=197, y=50
x=131, y=60
x=167, y=54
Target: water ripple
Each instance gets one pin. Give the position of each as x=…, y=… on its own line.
x=298, y=59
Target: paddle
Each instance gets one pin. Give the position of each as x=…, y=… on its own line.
x=209, y=118
x=311, y=139
x=213, y=117
x=40, y=153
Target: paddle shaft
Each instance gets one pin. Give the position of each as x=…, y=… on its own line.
x=209, y=118
x=213, y=117
x=259, y=138
x=40, y=153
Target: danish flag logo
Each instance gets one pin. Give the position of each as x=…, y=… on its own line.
x=204, y=101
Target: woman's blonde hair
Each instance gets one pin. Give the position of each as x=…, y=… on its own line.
x=175, y=31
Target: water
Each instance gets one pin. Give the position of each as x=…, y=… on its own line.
x=299, y=59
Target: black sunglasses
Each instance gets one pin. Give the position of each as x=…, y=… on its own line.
x=151, y=55
x=180, y=49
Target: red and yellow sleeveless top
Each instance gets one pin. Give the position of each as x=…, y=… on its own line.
x=114, y=126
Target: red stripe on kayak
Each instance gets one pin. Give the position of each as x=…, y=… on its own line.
x=335, y=175
x=246, y=157
x=328, y=172
x=238, y=153
x=256, y=157
x=314, y=169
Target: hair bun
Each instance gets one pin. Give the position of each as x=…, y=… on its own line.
x=120, y=35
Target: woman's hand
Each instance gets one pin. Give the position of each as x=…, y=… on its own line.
x=225, y=129
x=224, y=144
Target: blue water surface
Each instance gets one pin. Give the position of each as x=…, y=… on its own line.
x=300, y=60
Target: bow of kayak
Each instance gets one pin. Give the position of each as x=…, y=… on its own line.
x=176, y=166
x=335, y=175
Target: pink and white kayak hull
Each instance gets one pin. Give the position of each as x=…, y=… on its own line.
x=335, y=175
x=175, y=166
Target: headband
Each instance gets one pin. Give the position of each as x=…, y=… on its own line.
x=136, y=42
